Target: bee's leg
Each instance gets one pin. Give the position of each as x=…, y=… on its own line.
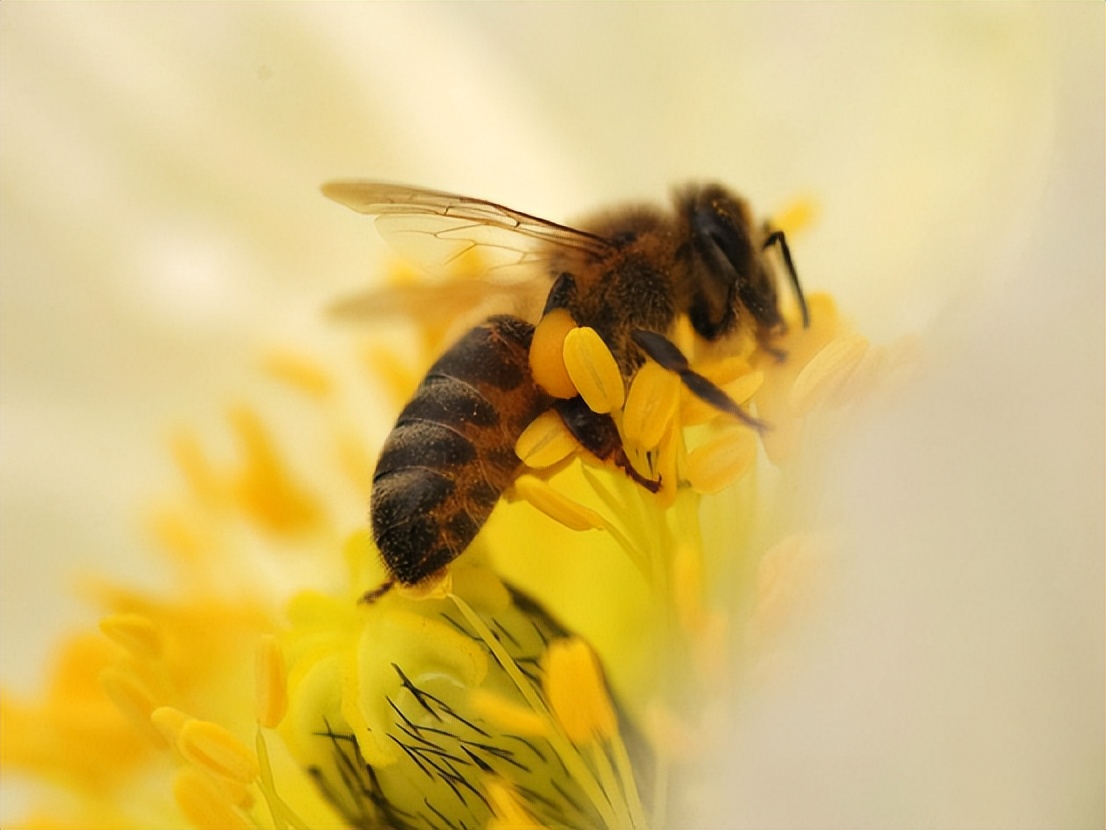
x=561, y=294
x=599, y=436
x=372, y=595
x=777, y=238
x=665, y=352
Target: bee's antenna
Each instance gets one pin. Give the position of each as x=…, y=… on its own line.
x=777, y=238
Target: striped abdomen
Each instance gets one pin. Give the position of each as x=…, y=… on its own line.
x=452, y=451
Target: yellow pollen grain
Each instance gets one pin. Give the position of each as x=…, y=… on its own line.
x=545, y=442
x=573, y=685
x=547, y=362
x=271, y=676
x=556, y=506
x=204, y=803
x=827, y=371
x=134, y=632
x=507, y=715
x=215, y=748
x=593, y=370
x=650, y=405
x=715, y=465
x=299, y=372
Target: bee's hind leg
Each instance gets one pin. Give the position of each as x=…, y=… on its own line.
x=599, y=436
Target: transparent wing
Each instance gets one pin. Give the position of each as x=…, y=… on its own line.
x=434, y=229
x=439, y=303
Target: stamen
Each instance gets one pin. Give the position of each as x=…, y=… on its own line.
x=652, y=402
x=134, y=632
x=507, y=809
x=272, y=682
x=574, y=687
x=204, y=803
x=556, y=506
x=547, y=361
x=715, y=465
x=593, y=370
x=215, y=748
x=299, y=372
x=545, y=442
x=827, y=371
x=508, y=715
x=132, y=696
x=169, y=722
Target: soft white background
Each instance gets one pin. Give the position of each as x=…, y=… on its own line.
x=161, y=224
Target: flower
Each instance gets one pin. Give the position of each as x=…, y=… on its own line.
x=243, y=698
x=158, y=223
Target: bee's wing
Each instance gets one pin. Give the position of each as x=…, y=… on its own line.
x=439, y=303
x=433, y=229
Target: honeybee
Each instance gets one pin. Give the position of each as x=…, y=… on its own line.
x=628, y=274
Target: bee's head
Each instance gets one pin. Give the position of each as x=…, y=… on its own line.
x=730, y=268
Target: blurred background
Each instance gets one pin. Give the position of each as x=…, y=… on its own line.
x=162, y=226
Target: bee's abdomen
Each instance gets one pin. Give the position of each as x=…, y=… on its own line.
x=451, y=453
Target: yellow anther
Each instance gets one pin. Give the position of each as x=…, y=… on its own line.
x=507, y=715
x=507, y=810
x=574, y=687
x=827, y=371
x=134, y=632
x=650, y=406
x=547, y=362
x=204, y=803
x=215, y=748
x=593, y=370
x=545, y=442
x=556, y=506
x=271, y=677
x=720, y=462
x=131, y=695
x=796, y=216
x=169, y=722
